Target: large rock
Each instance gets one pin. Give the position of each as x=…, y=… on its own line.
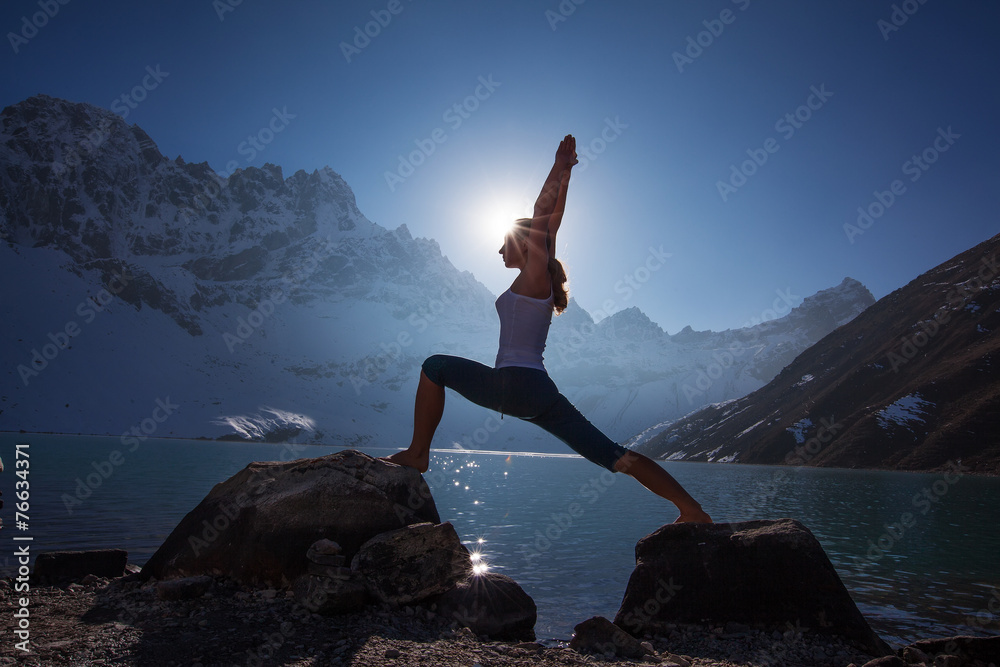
x=761, y=573
x=413, y=563
x=491, y=604
x=257, y=526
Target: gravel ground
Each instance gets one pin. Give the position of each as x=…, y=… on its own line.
x=121, y=622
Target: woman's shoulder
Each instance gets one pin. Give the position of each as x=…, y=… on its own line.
x=530, y=289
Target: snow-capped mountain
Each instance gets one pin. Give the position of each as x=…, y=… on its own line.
x=151, y=297
x=628, y=374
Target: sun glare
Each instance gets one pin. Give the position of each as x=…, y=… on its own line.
x=500, y=219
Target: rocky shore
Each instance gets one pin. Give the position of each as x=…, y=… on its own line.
x=123, y=622
x=343, y=560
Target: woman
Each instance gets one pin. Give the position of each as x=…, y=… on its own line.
x=519, y=385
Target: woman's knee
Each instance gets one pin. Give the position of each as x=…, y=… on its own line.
x=434, y=366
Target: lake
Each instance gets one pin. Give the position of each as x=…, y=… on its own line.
x=918, y=552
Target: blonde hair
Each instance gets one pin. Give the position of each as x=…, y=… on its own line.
x=557, y=272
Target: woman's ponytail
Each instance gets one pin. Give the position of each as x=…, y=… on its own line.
x=560, y=294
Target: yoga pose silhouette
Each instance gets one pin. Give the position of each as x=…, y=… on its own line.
x=518, y=384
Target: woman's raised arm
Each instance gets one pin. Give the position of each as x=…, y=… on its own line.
x=565, y=159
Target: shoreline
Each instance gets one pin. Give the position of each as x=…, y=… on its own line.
x=207, y=440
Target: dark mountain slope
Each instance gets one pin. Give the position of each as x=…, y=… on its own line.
x=912, y=383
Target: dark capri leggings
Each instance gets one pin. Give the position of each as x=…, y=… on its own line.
x=529, y=394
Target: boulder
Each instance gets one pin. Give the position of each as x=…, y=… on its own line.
x=257, y=526
x=491, y=604
x=413, y=563
x=766, y=574
x=58, y=566
x=599, y=635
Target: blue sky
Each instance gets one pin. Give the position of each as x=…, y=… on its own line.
x=663, y=129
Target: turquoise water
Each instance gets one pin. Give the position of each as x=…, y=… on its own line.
x=918, y=552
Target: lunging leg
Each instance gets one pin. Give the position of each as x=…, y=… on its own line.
x=652, y=476
x=427, y=410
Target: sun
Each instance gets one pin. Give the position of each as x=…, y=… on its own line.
x=499, y=219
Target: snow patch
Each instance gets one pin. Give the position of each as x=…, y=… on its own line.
x=808, y=377
x=709, y=455
x=259, y=426
x=908, y=410
x=798, y=430
x=747, y=430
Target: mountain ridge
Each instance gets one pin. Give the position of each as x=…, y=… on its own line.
x=262, y=292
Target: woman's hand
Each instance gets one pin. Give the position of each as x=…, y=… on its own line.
x=566, y=153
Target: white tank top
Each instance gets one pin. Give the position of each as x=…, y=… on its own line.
x=524, y=326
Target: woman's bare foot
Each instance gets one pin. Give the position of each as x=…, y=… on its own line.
x=697, y=515
x=408, y=458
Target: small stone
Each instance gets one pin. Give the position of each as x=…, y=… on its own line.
x=391, y=654
x=269, y=594
x=324, y=547
x=599, y=635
